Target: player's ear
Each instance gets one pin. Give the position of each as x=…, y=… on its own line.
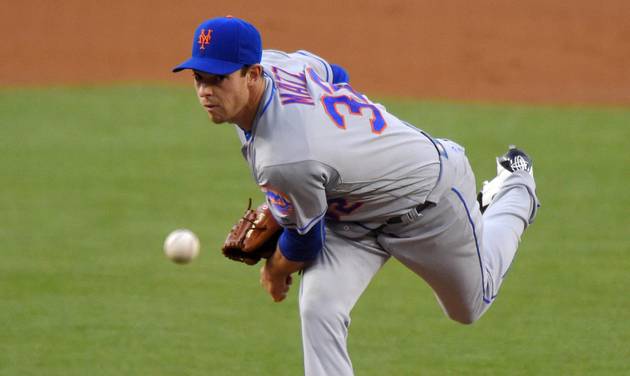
x=255, y=73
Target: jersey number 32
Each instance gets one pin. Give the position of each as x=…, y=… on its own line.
x=343, y=95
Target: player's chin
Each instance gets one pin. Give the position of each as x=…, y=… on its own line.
x=216, y=118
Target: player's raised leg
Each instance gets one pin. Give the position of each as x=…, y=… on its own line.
x=509, y=205
x=461, y=254
x=442, y=248
x=329, y=289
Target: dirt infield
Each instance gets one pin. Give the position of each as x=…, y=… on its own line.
x=556, y=51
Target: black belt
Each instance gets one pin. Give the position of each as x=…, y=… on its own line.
x=410, y=216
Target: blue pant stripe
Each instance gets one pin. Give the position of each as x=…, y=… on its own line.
x=483, y=284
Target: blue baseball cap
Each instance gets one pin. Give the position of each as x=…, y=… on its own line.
x=223, y=45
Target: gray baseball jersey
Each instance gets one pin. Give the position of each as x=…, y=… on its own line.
x=318, y=149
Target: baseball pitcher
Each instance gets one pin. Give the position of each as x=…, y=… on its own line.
x=351, y=186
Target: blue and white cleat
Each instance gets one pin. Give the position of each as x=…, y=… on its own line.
x=513, y=160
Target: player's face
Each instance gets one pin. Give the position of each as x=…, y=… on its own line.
x=223, y=97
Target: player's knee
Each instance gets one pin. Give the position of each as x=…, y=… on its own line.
x=464, y=316
x=466, y=320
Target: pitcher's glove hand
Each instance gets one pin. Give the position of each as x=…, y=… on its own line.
x=253, y=237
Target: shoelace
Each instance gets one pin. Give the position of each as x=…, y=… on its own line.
x=519, y=164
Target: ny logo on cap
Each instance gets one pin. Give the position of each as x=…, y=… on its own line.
x=204, y=38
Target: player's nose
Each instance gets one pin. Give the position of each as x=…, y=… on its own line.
x=204, y=90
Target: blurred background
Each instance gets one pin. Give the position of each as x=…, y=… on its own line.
x=501, y=50
x=104, y=152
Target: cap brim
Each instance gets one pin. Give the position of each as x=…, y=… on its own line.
x=206, y=65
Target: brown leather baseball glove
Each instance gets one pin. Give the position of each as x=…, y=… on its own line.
x=253, y=237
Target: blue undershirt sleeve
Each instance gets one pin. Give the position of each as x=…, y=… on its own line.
x=301, y=248
x=339, y=74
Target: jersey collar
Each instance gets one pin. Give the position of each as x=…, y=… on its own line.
x=268, y=96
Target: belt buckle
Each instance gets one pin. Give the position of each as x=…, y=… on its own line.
x=412, y=215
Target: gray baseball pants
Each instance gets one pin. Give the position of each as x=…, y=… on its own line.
x=461, y=254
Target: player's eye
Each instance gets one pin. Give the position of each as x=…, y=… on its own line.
x=210, y=79
x=219, y=79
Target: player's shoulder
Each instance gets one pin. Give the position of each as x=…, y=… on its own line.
x=274, y=55
x=270, y=54
x=297, y=62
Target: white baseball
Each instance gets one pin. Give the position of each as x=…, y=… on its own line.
x=181, y=246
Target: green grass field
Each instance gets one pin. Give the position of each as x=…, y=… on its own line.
x=94, y=178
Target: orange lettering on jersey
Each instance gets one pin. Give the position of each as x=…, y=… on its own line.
x=204, y=38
